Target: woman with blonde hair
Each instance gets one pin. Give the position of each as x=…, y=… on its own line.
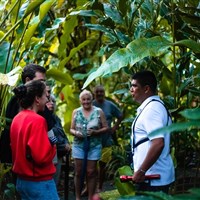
x=88, y=123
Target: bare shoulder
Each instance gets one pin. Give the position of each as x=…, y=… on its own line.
x=75, y=110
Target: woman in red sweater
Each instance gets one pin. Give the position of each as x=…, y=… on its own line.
x=32, y=150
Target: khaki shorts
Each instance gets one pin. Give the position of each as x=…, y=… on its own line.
x=106, y=155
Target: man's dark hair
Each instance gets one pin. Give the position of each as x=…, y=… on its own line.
x=30, y=70
x=98, y=86
x=146, y=78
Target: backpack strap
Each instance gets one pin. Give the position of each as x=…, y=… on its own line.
x=168, y=113
x=134, y=145
x=140, y=142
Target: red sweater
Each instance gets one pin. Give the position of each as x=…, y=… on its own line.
x=32, y=153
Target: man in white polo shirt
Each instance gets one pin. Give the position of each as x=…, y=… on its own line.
x=151, y=154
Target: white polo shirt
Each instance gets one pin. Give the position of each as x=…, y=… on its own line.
x=152, y=117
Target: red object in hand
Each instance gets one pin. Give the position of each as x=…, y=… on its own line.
x=125, y=178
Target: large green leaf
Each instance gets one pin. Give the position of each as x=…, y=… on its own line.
x=125, y=170
x=56, y=24
x=28, y=8
x=124, y=188
x=73, y=52
x=113, y=13
x=185, y=84
x=142, y=48
x=31, y=30
x=181, y=126
x=87, y=13
x=68, y=26
x=193, y=114
x=32, y=6
x=44, y=8
x=98, y=27
x=134, y=52
x=191, y=44
x=79, y=76
x=58, y=75
x=3, y=56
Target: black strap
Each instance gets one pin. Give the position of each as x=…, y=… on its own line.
x=146, y=138
x=140, y=142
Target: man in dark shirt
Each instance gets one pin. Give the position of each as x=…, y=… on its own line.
x=111, y=112
x=30, y=72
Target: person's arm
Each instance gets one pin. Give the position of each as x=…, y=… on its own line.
x=116, y=113
x=48, y=115
x=116, y=125
x=103, y=128
x=152, y=156
x=73, y=131
x=58, y=130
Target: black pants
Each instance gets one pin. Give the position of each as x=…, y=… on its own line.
x=147, y=187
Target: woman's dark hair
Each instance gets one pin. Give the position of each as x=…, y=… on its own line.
x=26, y=93
x=146, y=78
x=30, y=70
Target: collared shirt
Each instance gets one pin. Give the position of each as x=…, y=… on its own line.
x=152, y=116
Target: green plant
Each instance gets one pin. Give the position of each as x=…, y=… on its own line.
x=77, y=41
x=4, y=171
x=146, y=35
x=192, y=121
x=118, y=159
x=9, y=193
x=126, y=190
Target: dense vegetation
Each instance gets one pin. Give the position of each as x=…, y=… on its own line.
x=83, y=43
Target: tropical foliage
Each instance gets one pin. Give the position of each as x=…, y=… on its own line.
x=83, y=43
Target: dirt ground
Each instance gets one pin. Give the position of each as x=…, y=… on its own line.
x=108, y=185
x=68, y=171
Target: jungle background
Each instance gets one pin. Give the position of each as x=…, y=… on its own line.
x=83, y=43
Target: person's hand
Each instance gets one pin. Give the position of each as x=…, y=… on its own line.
x=138, y=176
x=48, y=115
x=67, y=147
x=110, y=130
x=50, y=105
x=78, y=134
x=90, y=132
